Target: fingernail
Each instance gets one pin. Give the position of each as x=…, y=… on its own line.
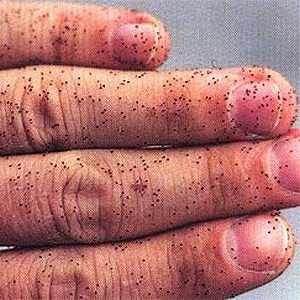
x=255, y=107
x=257, y=243
x=134, y=43
x=285, y=163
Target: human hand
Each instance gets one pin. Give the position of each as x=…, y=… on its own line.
x=100, y=195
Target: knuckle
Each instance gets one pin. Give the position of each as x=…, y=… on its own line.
x=42, y=115
x=33, y=125
x=25, y=112
x=62, y=273
x=84, y=192
x=39, y=113
x=50, y=273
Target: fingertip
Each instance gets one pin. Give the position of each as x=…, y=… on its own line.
x=284, y=162
x=287, y=101
x=140, y=45
x=267, y=102
x=162, y=48
x=255, y=250
x=263, y=244
x=255, y=107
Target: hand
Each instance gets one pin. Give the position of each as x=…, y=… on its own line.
x=127, y=197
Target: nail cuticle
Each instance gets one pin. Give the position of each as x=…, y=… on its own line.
x=279, y=105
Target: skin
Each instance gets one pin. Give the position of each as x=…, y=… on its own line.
x=60, y=108
x=52, y=33
x=136, y=223
x=190, y=265
x=109, y=195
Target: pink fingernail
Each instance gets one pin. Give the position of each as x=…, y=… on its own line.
x=134, y=43
x=285, y=163
x=255, y=107
x=257, y=243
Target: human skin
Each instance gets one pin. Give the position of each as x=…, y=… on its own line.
x=173, y=222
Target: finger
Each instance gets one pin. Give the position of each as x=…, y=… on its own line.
x=54, y=108
x=214, y=260
x=106, y=195
x=86, y=35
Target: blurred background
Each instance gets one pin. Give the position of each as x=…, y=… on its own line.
x=228, y=33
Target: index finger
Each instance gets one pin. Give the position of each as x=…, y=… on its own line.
x=85, y=35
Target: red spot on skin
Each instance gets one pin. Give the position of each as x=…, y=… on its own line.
x=139, y=186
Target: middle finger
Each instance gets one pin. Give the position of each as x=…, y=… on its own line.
x=105, y=195
x=48, y=108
